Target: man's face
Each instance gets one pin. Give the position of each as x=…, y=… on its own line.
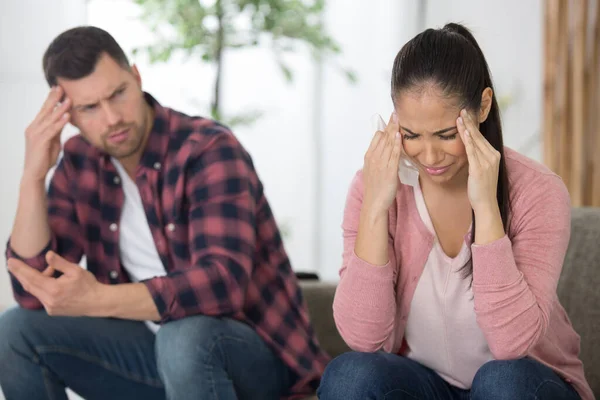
x=109, y=109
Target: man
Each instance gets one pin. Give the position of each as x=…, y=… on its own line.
x=188, y=292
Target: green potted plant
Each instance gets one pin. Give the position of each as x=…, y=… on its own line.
x=205, y=31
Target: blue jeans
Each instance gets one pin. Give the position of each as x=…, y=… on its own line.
x=354, y=376
x=198, y=357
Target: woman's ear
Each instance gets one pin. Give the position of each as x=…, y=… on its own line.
x=486, y=104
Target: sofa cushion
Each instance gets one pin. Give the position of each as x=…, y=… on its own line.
x=319, y=299
x=579, y=288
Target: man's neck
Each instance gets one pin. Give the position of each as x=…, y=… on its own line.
x=131, y=163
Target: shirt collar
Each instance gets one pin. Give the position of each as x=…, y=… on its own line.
x=157, y=144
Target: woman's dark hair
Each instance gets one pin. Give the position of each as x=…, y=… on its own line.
x=450, y=60
x=74, y=53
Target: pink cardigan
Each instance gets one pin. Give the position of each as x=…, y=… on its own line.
x=514, y=278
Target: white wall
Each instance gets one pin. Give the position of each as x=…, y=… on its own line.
x=287, y=141
x=26, y=29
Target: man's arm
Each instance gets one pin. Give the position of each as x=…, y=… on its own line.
x=31, y=232
x=127, y=301
x=44, y=221
x=77, y=292
x=222, y=190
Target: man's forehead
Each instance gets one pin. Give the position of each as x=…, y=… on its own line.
x=82, y=91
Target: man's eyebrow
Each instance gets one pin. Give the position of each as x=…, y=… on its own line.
x=120, y=87
x=434, y=133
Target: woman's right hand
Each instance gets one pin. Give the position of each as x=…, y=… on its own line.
x=380, y=170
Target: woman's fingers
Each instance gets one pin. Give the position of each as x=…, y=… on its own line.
x=479, y=140
x=467, y=139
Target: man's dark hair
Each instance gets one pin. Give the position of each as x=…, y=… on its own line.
x=74, y=53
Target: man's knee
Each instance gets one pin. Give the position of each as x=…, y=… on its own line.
x=14, y=326
x=191, y=343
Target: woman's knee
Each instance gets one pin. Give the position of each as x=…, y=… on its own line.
x=503, y=379
x=353, y=375
x=516, y=379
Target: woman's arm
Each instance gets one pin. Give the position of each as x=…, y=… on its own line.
x=515, y=280
x=364, y=306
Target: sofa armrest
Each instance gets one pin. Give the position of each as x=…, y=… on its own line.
x=319, y=298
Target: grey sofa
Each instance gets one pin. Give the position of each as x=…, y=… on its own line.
x=578, y=290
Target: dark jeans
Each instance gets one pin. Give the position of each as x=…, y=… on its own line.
x=388, y=376
x=198, y=357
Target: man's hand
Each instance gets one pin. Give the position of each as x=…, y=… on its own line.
x=75, y=293
x=42, y=136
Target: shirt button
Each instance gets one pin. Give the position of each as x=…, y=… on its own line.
x=113, y=227
x=116, y=180
x=114, y=274
x=171, y=227
x=156, y=165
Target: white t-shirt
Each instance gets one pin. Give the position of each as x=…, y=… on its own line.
x=137, y=249
x=441, y=331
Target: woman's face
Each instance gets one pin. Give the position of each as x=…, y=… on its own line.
x=430, y=136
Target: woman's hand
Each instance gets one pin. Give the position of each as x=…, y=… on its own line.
x=484, y=165
x=380, y=179
x=380, y=170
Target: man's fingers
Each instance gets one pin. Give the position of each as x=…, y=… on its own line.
x=31, y=279
x=49, y=271
x=59, y=117
x=59, y=263
x=50, y=103
x=55, y=129
x=46, y=122
x=61, y=109
x=52, y=100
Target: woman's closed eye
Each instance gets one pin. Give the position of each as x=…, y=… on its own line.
x=449, y=137
x=410, y=136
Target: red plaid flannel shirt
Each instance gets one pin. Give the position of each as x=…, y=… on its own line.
x=212, y=226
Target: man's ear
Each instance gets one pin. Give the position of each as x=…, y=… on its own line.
x=486, y=104
x=136, y=74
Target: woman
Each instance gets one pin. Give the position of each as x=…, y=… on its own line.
x=448, y=289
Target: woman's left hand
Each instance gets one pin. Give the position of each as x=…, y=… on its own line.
x=484, y=164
